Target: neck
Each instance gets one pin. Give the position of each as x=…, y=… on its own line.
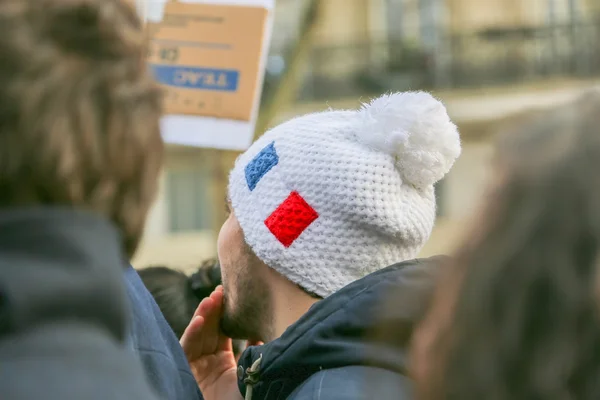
x=289, y=304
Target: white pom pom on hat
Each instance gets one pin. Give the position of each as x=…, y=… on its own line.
x=413, y=127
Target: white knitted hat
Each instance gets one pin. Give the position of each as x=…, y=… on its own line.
x=327, y=198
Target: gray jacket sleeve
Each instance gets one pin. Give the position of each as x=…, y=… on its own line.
x=354, y=383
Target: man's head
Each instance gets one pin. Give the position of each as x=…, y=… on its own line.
x=327, y=198
x=79, y=113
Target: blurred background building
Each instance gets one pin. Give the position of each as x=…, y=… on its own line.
x=491, y=61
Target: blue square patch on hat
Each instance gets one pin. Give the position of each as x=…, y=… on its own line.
x=260, y=165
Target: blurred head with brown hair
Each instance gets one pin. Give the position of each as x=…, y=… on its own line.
x=79, y=112
x=515, y=316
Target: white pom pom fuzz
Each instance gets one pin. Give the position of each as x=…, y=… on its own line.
x=415, y=128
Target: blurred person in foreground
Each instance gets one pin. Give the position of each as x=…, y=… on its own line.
x=328, y=211
x=80, y=152
x=515, y=316
x=153, y=339
x=178, y=295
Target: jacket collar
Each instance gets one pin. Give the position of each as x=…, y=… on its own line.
x=344, y=330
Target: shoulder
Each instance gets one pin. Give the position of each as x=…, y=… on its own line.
x=354, y=383
x=69, y=361
x=148, y=328
x=156, y=345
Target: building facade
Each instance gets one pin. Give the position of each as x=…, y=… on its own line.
x=490, y=61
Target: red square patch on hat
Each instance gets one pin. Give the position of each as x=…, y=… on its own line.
x=291, y=219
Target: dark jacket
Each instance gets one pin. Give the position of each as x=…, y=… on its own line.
x=63, y=310
x=351, y=345
x=151, y=337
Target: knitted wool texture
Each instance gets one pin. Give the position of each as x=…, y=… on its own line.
x=327, y=198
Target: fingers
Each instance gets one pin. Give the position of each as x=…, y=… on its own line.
x=188, y=339
x=213, y=310
x=217, y=297
x=198, y=311
x=224, y=343
x=213, y=318
x=203, y=336
x=200, y=329
x=207, y=307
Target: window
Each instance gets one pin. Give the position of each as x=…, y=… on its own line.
x=189, y=200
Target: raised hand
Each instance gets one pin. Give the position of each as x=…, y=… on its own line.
x=209, y=352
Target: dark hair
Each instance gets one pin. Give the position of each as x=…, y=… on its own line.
x=206, y=279
x=79, y=110
x=173, y=293
x=178, y=295
x=525, y=323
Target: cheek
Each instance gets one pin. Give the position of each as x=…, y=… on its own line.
x=222, y=240
x=224, y=247
x=229, y=246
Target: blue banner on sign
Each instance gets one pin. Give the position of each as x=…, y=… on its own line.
x=225, y=80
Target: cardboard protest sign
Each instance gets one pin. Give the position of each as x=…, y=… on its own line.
x=210, y=58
